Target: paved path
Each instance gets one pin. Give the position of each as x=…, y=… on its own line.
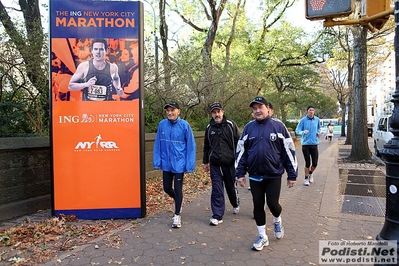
x=309, y=214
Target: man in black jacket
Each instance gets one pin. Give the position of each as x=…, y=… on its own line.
x=221, y=137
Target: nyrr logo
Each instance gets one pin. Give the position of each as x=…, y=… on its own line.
x=75, y=119
x=97, y=145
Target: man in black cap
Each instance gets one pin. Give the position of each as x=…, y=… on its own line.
x=174, y=153
x=309, y=128
x=220, y=141
x=265, y=150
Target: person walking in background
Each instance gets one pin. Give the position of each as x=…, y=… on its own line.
x=220, y=141
x=271, y=111
x=330, y=132
x=309, y=129
x=265, y=149
x=174, y=153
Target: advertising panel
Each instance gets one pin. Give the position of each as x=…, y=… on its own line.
x=97, y=132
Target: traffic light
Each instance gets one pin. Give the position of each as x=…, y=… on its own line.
x=321, y=9
x=373, y=7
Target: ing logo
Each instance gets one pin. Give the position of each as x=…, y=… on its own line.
x=75, y=119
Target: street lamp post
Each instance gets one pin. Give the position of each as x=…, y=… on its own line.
x=155, y=39
x=390, y=153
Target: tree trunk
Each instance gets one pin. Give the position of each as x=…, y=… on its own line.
x=163, y=29
x=30, y=47
x=206, y=51
x=343, y=115
x=349, y=121
x=360, y=149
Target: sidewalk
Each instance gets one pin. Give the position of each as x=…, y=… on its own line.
x=309, y=214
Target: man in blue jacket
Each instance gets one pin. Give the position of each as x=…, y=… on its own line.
x=220, y=142
x=174, y=153
x=264, y=151
x=310, y=130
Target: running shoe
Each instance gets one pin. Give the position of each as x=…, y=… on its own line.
x=278, y=230
x=176, y=221
x=260, y=243
x=215, y=222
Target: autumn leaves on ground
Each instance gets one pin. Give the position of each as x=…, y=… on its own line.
x=36, y=243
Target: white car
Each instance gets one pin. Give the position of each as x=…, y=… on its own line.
x=381, y=133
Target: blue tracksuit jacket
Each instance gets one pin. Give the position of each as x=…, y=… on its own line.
x=174, y=147
x=265, y=149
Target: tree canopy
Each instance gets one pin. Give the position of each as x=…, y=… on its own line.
x=227, y=51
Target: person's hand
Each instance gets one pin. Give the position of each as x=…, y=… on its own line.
x=119, y=91
x=206, y=167
x=241, y=181
x=305, y=131
x=290, y=183
x=91, y=81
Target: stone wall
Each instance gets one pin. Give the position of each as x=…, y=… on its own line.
x=25, y=173
x=25, y=179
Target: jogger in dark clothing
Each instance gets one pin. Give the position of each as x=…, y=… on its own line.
x=223, y=176
x=265, y=150
x=221, y=137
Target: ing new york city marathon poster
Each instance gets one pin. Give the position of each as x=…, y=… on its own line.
x=97, y=125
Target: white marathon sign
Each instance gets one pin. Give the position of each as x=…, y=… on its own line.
x=358, y=252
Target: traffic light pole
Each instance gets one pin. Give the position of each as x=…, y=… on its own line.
x=329, y=22
x=390, y=154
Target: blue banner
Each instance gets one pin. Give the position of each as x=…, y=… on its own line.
x=94, y=19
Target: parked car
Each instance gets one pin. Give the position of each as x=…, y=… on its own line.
x=381, y=133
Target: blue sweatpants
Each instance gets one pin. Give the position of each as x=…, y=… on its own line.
x=223, y=176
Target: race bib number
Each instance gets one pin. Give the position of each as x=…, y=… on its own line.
x=96, y=93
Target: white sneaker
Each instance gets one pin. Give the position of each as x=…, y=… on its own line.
x=236, y=210
x=176, y=221
x=311, y=178
x=278, y=230
x=306, y=182
x=260, y=243
x=215, y=222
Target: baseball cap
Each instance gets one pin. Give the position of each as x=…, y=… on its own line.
x=310, y=106
x=215, y=106
x=174, y=105
x=260, y=100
